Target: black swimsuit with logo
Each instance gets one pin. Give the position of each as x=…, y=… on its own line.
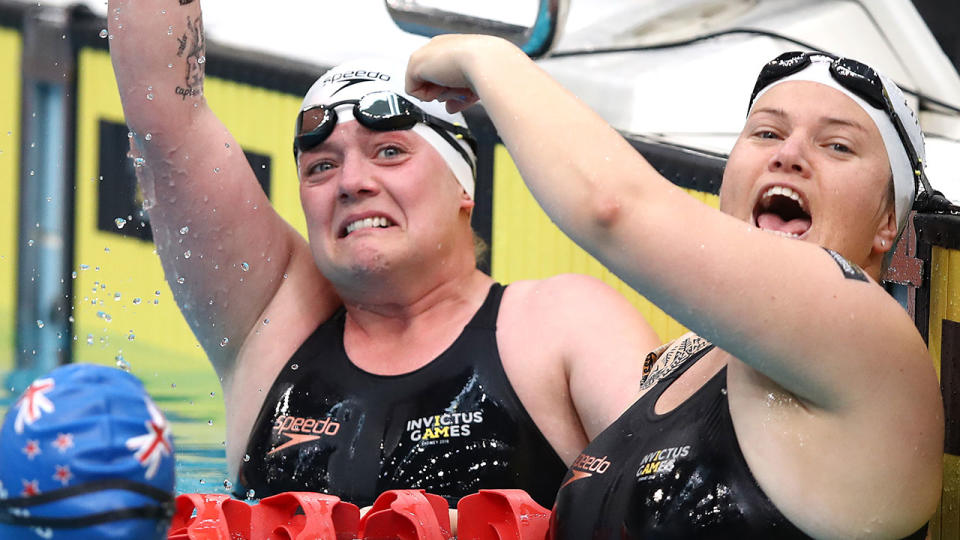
x=678, y=475
x=451, y=427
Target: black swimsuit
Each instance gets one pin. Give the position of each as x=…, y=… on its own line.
x=451, y=427
x=677, y=475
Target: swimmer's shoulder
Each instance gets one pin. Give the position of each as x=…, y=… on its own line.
x=574, y=305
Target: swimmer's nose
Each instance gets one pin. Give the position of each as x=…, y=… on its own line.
x=790, y=157
x=357, y=178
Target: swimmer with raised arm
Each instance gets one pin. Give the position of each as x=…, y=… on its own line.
x=390, y=361
x=805, y=404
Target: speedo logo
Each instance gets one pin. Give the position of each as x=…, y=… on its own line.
x=299, y=429
x=586, y=466
x=356, y=75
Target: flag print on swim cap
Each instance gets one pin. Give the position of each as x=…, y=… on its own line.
x=85, y=453
x=33, y=403
x=154, y=445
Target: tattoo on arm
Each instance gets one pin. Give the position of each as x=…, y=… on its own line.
x=193, y=45
x=849, y=269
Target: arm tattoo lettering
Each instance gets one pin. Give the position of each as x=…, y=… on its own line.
x=849, y=269
x=192, y=43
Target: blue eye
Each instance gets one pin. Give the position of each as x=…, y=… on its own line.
x=389, y=152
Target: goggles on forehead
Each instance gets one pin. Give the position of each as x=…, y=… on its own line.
x=858, y=78
x=379, y=111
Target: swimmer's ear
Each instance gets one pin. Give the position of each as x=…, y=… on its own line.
x=886, y=233
x=466, y=201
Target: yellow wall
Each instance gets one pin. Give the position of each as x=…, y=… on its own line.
x=945, y=305
x=527, y=245
x=10, y=47
x=163, y=345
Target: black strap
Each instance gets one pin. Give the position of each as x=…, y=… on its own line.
x=154, y=512
x=154, y=493
x=12, y=511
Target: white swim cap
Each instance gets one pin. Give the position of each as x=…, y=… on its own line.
x=357, y=78
x=904, y=174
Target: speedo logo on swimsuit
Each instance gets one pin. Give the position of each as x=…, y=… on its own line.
x=443, y=426
x=661, y=462
x=299, y=429
x=586, y=466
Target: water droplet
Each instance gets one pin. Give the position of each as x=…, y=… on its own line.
x=174, y=385
x=121, y=363
x=246, y=458
x=266, y=321
x=39, y=323
x=209, y=422
x=185, y=229
x=170, y=30
x=30, y=243
x=251, y=494
x=170, y=66
x=212, y=394
x=106, y=250
x=186, y=254
x=201, y=60
x=216, y=169
x=103, y=33
x=180, y=280
x=244, y=266
x=89, y=339
x=224, y=341
x=227, y=145
x=73, y=275
x=139, y=162
x=294, y=367
x=84, y=267
x=150, y=98
x=148, y=136
x=116, y=296
x=137, y=300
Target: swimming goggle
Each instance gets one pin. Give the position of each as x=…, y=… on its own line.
x=15, y=511
x=856, y=77
x=379, y=111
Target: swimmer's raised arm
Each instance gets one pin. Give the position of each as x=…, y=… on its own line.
x=747, y=291
x=224, y=250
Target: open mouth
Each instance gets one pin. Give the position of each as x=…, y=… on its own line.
x=378, y=222
x=781, y=210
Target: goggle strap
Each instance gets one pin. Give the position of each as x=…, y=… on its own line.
x=154, y=493
x=155, y=512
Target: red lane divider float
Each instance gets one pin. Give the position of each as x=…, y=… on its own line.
x=491, y=514
x=407, y=514
x=501, y=514
x=287, y=516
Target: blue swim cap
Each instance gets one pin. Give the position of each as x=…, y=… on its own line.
x=85, y=453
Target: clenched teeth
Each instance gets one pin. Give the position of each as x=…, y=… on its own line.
x=785, y=192
x=367, y=223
